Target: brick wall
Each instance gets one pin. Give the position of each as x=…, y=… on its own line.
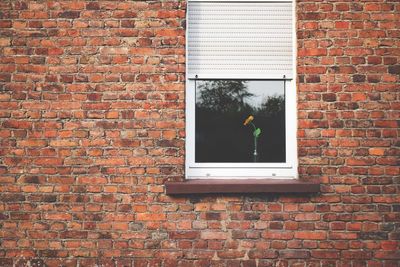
x=92, y=125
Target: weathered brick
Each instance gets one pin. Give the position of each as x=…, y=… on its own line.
x=394, y=69
x=325, y=254
x=262, y=254
x=93, y=6
x=230, y=254
x=374, y=235
x=356, y=254
x=294, y=254
x=69, y=14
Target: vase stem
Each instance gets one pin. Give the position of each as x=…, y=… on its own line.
x=255, y=149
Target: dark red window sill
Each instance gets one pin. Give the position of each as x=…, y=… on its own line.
x=213, y=186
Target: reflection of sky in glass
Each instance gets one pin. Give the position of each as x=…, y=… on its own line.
x=261, y=90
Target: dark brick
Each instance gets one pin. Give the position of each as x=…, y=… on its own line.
x=74, y=235
x=394, y=69
x=262, y=254
x=251, y=216
x=294, y=254
x=358, y=78
x=329, y=97
x=313, y=79
x=92, y=6
x=6, y=262
x=213, y=216
x=69, y=14
x=373, y=235
x=13, y=197
x=32, y=179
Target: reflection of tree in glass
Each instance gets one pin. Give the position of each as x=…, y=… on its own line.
x=223, y=95
x=272, y=105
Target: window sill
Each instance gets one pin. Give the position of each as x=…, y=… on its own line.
x=214, y=186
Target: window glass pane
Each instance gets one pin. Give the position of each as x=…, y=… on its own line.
x=223, y=107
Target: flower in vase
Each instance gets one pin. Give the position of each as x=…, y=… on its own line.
x=248, y=120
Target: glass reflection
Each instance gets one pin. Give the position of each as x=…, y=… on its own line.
x=222, y=107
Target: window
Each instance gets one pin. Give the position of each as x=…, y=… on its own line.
x=240, y=90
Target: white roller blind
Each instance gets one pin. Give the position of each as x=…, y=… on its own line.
x=237, y=39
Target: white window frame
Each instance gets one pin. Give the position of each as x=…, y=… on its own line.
x=287, y=170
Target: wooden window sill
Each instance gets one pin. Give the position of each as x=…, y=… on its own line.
x=214, y=186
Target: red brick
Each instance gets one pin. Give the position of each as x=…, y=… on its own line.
x=17, y=124
x=388, y=255
x=184, y=235
x=310, y=235
x=110, y=161
x=169, y=32
x=377, y=151
x=342, y=235
x=32, y=143
x=390, y=245
x=64, y=143
x=92, y=180
x=58, y=216
x=47, y=161
x=342, y=7
x=360, y=161
x=213, y=235
x=313, y=52
x=277, y=235
x=150, y=217
x=342, y=24
x=307, y=217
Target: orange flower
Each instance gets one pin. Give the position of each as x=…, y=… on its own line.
x=248, y=120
